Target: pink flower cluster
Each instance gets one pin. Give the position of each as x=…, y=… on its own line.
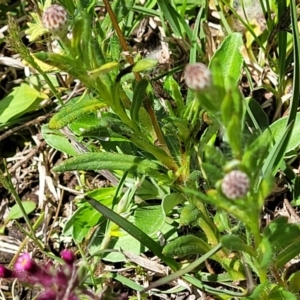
x=60, y=282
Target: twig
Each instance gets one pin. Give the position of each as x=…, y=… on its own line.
x=24, y=126
x=27, y=157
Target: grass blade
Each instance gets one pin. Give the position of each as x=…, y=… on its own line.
x=133, y=231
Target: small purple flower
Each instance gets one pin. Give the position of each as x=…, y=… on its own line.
x=68, y=256
x=5, y=273
x=57, y=281
x=25, y=263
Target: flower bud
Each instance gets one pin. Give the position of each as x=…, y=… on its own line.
x=55, y=19
x=25, y=263
x=197, y=76
x=5, y=273
x=68, y=256
x=235, y=184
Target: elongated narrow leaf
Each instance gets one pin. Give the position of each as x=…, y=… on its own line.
x=137, y=99
x=284, y=238
x=72, y=112
x=276, y=155
x=185, y=270
x=176, y=22
x=186, y=245
x=296, y=73
x=112, y=161
x=235, y=243
x=278, y=128
x=126, y=281
x=215, y=291
x=287, y=255
x=64, y=63
x=144, y=64
x=103, y=69
x=133, y=230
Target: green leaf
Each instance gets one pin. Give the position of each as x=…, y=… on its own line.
x=77, y=33
x=16, y=213
x=277, y=153
x=137, y=99
x=57, y=140
x=111, y=161
x=212, y=173
x=185, y=270
x=186, y=245
x=121, y=9
x=232, y=115
x=172, y=86
x=115, y=47
x=223, y=293
x=259, y=292
x=144, y=64
x=126, y=281
x=64, y=63
x=294, y=103
x=189, y=215
x=221, y=220
x=85, y=124
x=177, y=23
x=264, y=253
x=278, y=128
x=258, y=113
x=294, y=282
x=256, y=153
x=189, y=4
x=150, y=219
x=85, y=217
x=35, y=29
x=123, y=243
x=103, y=69
x=290, y=251
x=230, y=58
x=281, y=234
x=284, y=239
x=72, y=112
x=235, y=243
x=21, y=100
x=82, y=222
x=134, y=231
x=171, y=200
x=278, y=293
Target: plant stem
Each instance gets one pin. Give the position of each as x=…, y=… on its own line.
x=15, y=195
x=161, y=140
x=157, y=152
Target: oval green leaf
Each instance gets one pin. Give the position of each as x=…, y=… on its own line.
x=186, y=245
x=16, y=213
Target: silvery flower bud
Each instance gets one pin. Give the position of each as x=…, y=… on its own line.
x=235, y=184
x=55, y=19
x=197, y=76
